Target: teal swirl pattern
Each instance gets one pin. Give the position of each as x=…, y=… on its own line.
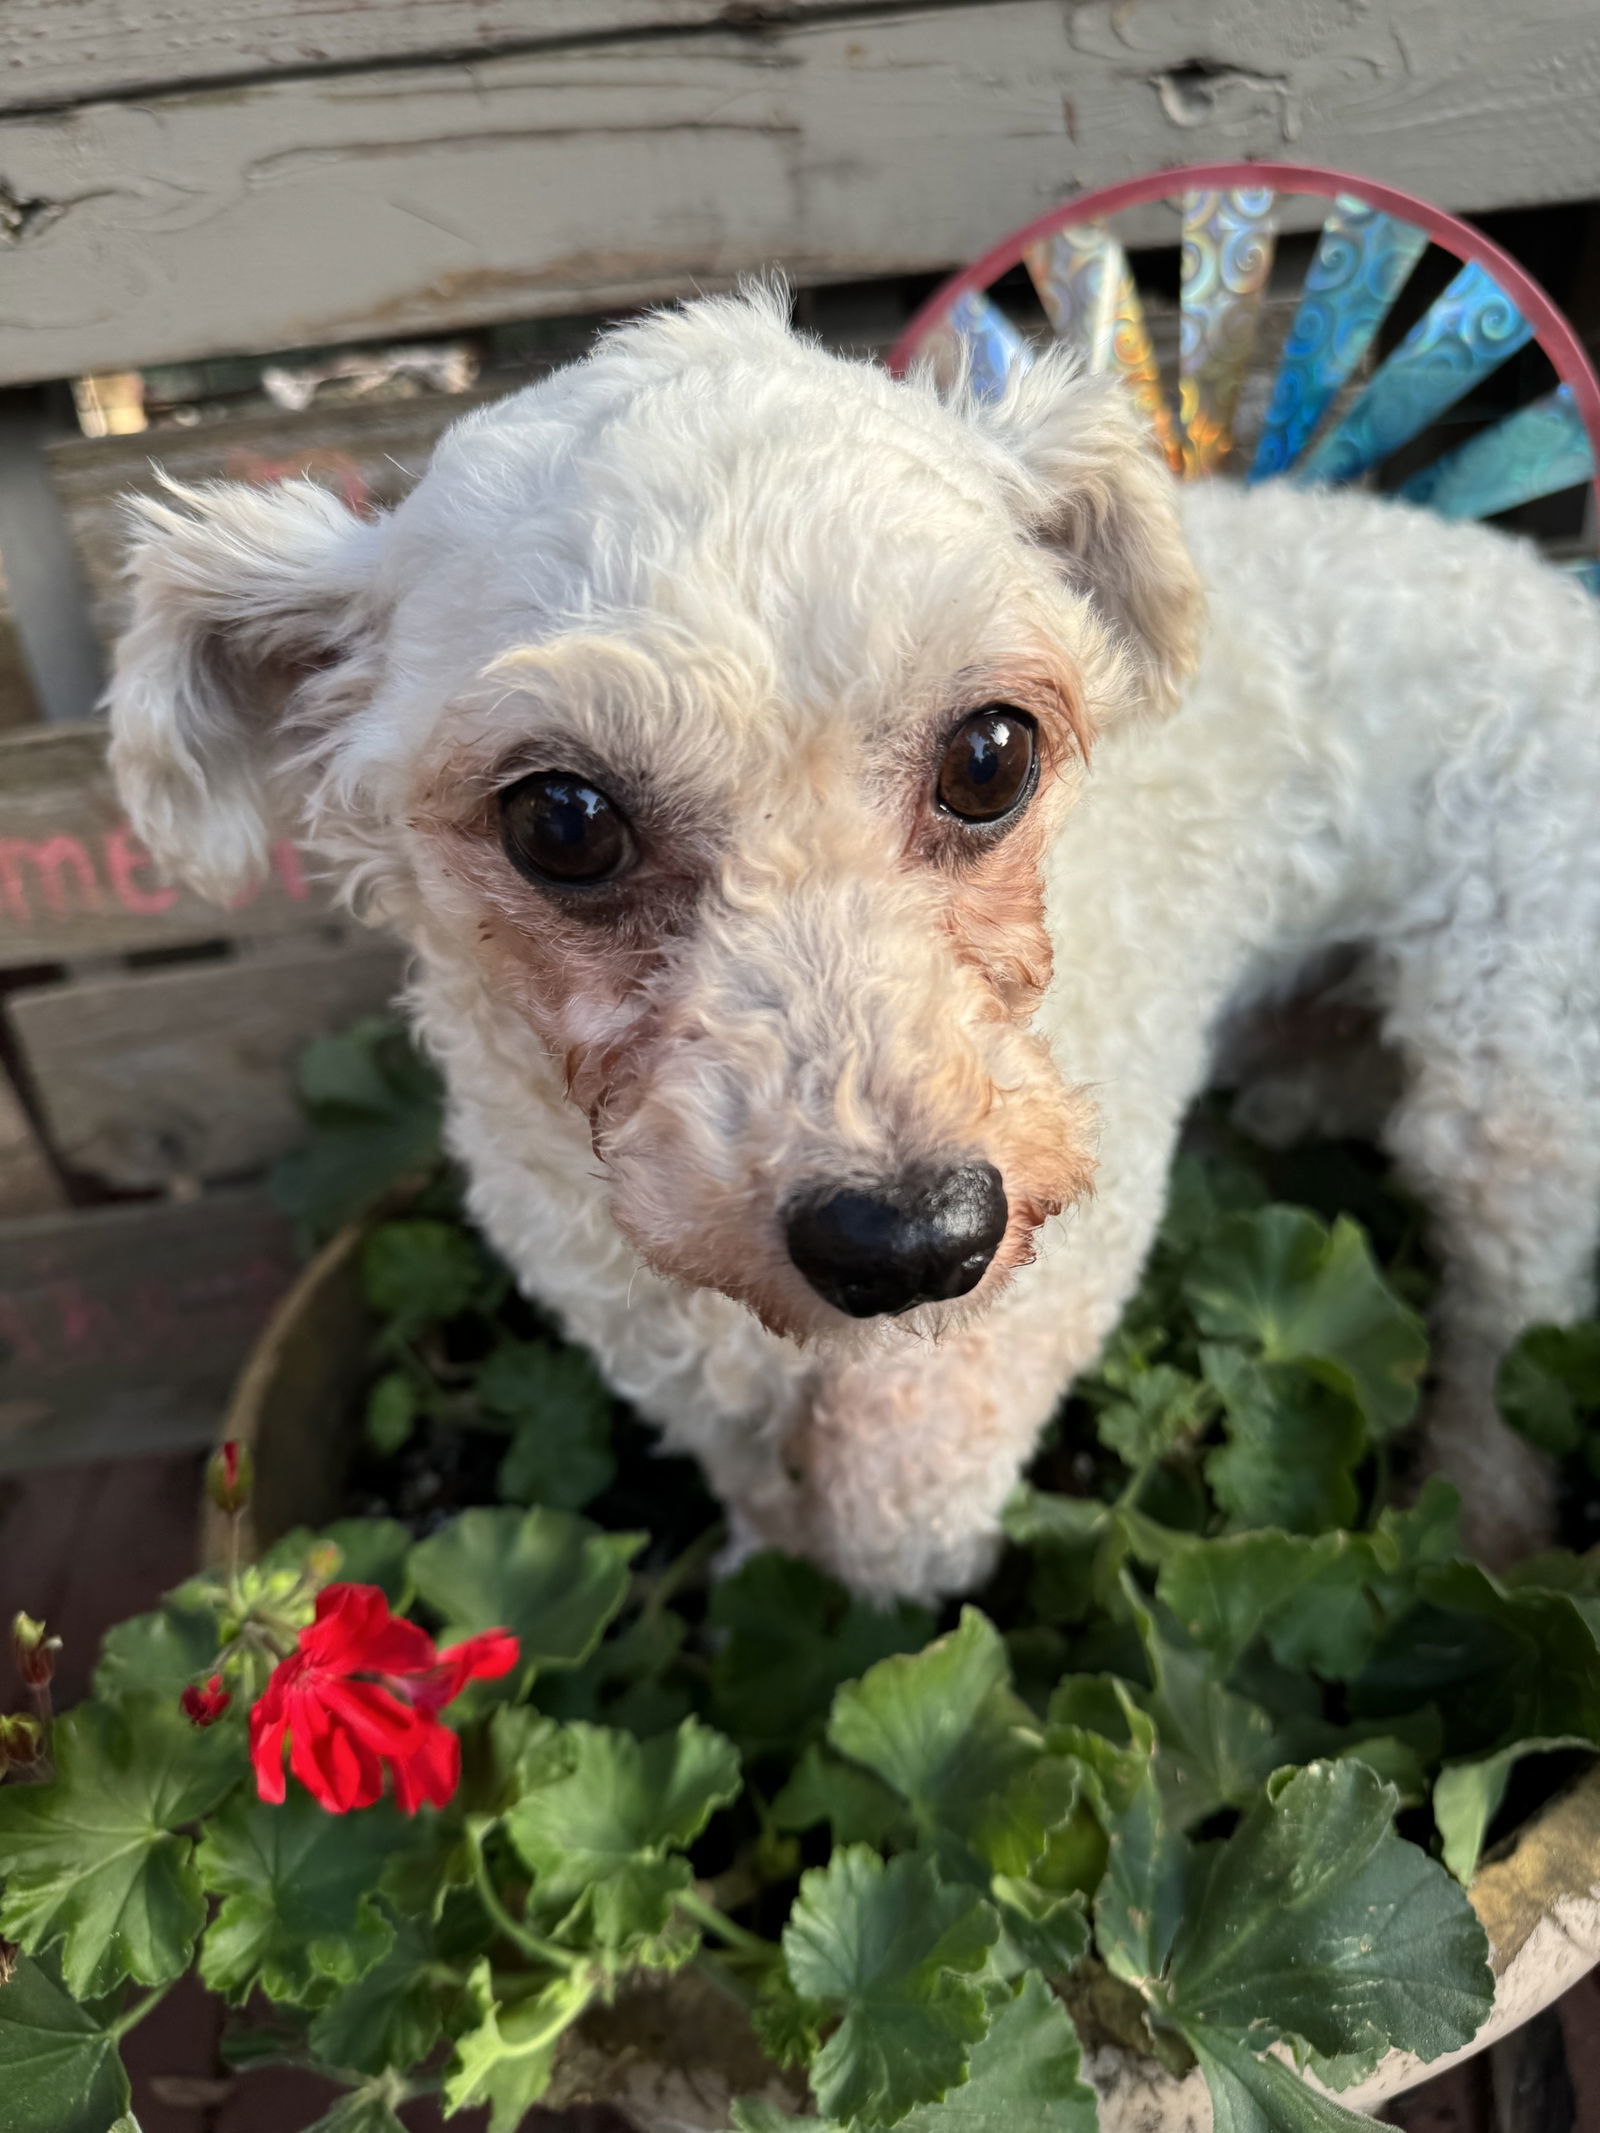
x=1362, y=260
x=1226, y=258
x=1541, y=448
x=1468, y=333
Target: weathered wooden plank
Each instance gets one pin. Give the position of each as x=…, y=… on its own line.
x=70, y=51
x=121, y=1330
x=164, y=1077
x=369, y=453
x=366, y=205
x=75, y=881
x=28, y=1181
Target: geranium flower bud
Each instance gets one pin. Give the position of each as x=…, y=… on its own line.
x=9, y=1952
x=33, y=1652
x=203, y=1707
x=230, y=1476
x=21, y=1741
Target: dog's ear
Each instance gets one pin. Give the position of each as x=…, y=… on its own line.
x=247, y=608
x=1092, y=487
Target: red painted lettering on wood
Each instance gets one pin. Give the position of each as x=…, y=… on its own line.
x=25, y=865
x=126, y=859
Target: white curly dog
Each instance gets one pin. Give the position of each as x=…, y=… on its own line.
x=715, y=721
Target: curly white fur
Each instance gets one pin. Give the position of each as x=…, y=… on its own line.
x=746, y=587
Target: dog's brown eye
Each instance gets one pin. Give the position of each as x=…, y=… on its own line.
x=987, y=770
x=558, y=829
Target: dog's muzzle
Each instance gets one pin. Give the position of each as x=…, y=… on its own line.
x=920, y=1240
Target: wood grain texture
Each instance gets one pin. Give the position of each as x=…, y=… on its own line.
x=74, y=881
x=69, y=51
x=165, y=1077
x=121, y=1329
x=374, y=204
x=28, y=1181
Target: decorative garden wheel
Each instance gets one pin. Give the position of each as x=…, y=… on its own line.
x=1338, y=408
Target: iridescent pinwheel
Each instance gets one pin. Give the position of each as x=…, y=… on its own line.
x=1342, y=401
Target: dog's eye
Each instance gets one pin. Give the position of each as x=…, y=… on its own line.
x=987, y=770
x=557, y=828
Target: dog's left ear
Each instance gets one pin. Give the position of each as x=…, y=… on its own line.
x=1092, y=487
x=247, y=631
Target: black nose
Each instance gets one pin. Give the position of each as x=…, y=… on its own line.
x=921, y=1240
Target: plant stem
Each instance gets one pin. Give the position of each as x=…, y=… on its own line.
x=705, y=1913
x=130, y=2017
x=683, y=1567
x=542, y=1951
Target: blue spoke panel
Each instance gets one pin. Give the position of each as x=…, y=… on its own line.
x=1540, y=449
x=994, y=348
x=1467, y=334
x=1362, y=262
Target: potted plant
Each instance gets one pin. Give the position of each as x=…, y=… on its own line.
x=1238, y=1793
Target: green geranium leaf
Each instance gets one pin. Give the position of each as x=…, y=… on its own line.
x=548, y=1576
x=1139, y=1905
x=791, y=1637
x=393, y=1405
x=1159, y=1409
x=1467, y=1796
x=943, y=1728
x=299, y=1917
x=1502, y=1666
x=1254, y=2094
x=390, y=2017
x=1033, y=1517
x=857, y=1807
x=607, y=1822
x=1317, y=1922
x=59, y=2070
x=420, y=1272
x=1309, y=1598
x=893, y=1951
x=1293, y=1443
x=1299, y=1293
x=90, y=1859
x=1024, y=2075
x=158, y=1655
x=370, y=2109
x=1215, y=1748
x=561, y=1412
x=376, y=1110
x=1049, y=1930
x=1549, y=1385
x=506, y=2061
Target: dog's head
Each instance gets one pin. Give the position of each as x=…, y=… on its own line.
x=715, y=704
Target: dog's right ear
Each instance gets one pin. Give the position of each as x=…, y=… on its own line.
x=1092, y=489
x=248, y=607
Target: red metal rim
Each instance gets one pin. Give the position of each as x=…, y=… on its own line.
x=1552, y=330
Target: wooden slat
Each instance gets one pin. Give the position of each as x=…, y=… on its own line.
x=168, y=1076
x=371, y=453
x=28, y=1182
x=69, y=51
x=74, y=881
x=369, y=205
x=121, y=1330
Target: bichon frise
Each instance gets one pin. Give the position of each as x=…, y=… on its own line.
x=832, y=824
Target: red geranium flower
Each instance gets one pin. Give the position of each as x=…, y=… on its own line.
x=362, y=1692
x=203, y=1707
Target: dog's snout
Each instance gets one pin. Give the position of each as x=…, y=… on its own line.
x=921, y=1240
